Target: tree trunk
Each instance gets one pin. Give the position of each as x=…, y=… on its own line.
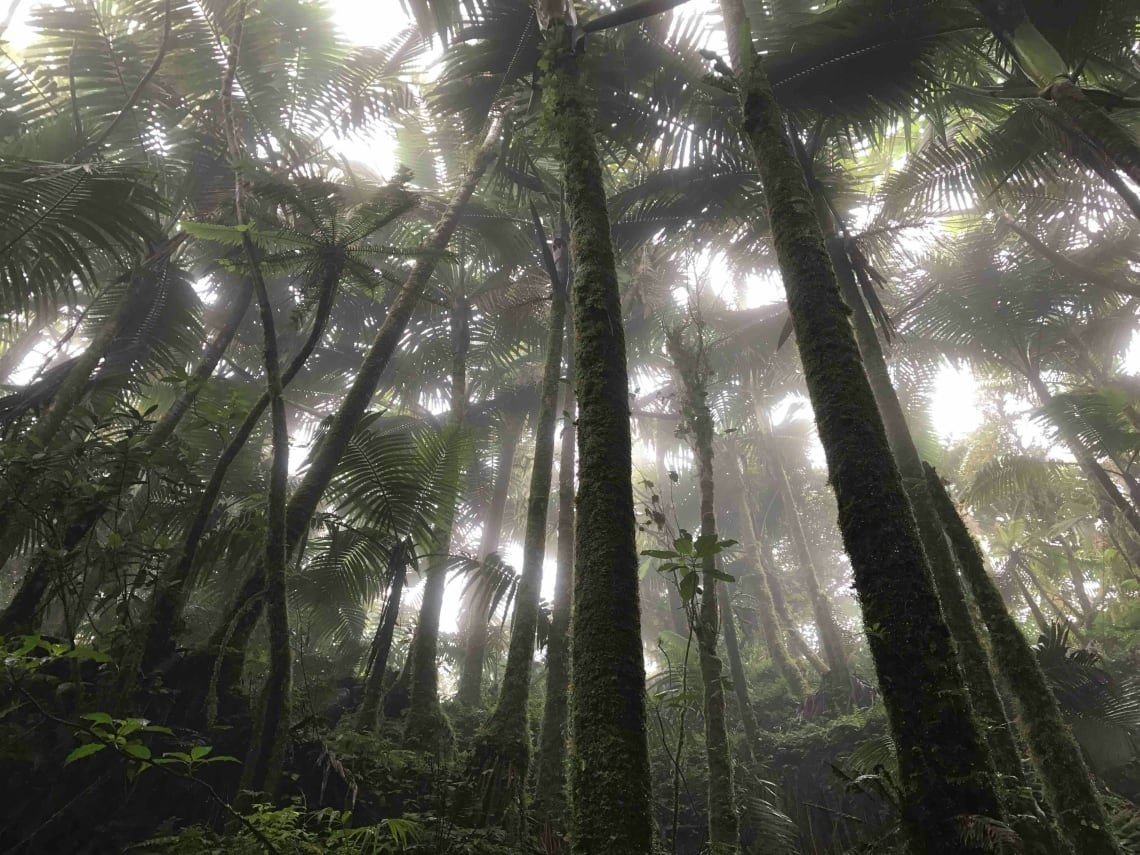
x=475, y=611
x=307, y=496
x=945, y=770
x=366, y=716
x=971, y=655
x=611, y=805
x=677, y=616
x=692, y=372
x=769, y=620
x=266, y=755
x=1011, y=566
x=28, y=597
x=426, y=726
x=830, y=639
x=1066, y=780
x=550, y=772
x=739, y=680
x=501, y=755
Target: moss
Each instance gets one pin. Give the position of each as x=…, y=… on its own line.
x=1066, y=781
x=971, y=654
x=944, y=767
x=609, y=756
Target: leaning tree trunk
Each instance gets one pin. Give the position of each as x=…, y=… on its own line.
x=769, y=620
x=1065, y=778
x=501, y=755
x=476, y=617
x=611, y=805
x=971, y=655
x=155, y=637
x=20, y=476
x=307, y=495
x=366, y=716
x=550, y=771
x=1042, y=64
x=689, y=366
x=946, y=773
x=29, y=596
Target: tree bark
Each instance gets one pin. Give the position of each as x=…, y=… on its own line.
x=739, y=680
x=945, y=770
x=1067, y=783
x=611, y=806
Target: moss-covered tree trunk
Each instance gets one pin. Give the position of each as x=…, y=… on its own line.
x=971, y=654
x=610, y=795
x=692, y=373
x=550, y=765
x=366, y=716
x=475, y=617
x=946, y=773
x=426, y=727
x=1065, y=778
x=501, y=756
x=765, y=604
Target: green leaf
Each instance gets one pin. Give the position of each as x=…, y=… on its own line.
x=688, y=587
x=659, y=553
x=200, y=751
x=684, y=544
x=723, y=577
x=137, y=750
x=98, y=718
x=85, y=750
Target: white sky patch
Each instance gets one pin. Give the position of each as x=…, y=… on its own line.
x=954, y=404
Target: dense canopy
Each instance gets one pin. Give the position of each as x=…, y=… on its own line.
x=570, y=426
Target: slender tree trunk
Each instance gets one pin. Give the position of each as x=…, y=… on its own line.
x=1067, y=783
x=426, y=726
x=1093, y=470
x=769, y=621
x=830, y=639
x=690, y=369
x=28, y=597
x=945, y=770
x=366, y=716
x=306, y=497
x=155, y=639
x=550, y=772
x=1011, y=567
x=739, y=680
x=677, y=614
x=266, y=755
x=475, y=614
x=502, y=749
x=611, y=805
